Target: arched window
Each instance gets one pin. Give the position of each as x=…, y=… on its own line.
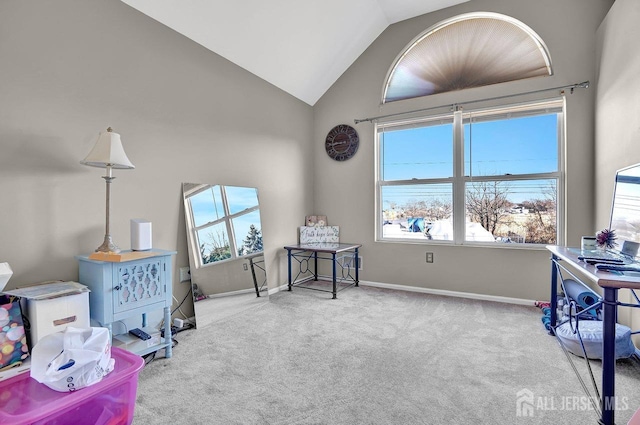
x=470, y=50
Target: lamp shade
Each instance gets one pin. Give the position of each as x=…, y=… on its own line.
x=108, y=151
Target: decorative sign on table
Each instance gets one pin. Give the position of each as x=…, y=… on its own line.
x=324, y=234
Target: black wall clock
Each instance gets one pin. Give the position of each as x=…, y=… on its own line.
x=342, y=142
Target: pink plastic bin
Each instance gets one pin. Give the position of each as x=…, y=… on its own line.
x=24, y=400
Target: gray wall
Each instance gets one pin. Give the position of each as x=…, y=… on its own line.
x=69, y=69
x=618, y=111
x=345, y=191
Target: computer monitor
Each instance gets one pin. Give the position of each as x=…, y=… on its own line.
x=625, y=211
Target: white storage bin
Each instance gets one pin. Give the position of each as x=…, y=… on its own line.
x=55, y=314
x=51, y=307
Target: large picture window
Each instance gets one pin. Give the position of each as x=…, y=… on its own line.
x=488, y=176
x=225, y=221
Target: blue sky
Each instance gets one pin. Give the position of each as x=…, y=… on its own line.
x=512, y=146
x=207, y=207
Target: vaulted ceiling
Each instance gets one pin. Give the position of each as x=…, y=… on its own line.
x=302, y=47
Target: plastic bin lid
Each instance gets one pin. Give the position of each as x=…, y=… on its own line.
x=24, y=400
x=5, y=274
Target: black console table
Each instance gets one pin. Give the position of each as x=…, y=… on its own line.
x=256, y=261
x=302, y=253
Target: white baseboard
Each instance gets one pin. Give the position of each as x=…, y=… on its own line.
x=278, y=289
x=446, y=293
x=191, y=320
x=285, y=286
x=443, y=292
x=227, y=294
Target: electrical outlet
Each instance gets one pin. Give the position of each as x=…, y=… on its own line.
x=185, y=274
x=244, y=266
x=429, y=257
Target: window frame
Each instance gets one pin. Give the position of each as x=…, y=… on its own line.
x=459, y=180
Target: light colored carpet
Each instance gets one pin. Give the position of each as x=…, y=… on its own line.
x=211, y=310
x=373, y=356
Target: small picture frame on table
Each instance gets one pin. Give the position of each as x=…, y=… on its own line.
x=316, y=221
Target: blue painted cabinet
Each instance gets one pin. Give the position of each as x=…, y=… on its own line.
x=125, y=289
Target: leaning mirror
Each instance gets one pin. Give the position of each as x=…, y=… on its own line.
x=224, y=238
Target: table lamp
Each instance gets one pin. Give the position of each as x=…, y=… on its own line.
x=108, y=153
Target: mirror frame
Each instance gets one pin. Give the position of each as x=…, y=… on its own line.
x=227, y=274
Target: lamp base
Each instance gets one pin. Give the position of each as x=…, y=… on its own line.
x=108, y=245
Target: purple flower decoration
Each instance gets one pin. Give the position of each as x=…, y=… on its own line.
x=606, y=238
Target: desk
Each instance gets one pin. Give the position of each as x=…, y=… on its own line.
x=304, y=252
x=610, y=283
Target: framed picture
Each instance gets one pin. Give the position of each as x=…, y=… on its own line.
x=316, y=221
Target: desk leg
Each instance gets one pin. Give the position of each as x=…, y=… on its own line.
x=255, y=280
x=357, y=268
x=334, y=275
x=554, y=294
x=289, y=266
x=315, y=266
x=167, y=332
x=609, y=356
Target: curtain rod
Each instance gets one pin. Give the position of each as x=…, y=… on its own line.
x=583, y=85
